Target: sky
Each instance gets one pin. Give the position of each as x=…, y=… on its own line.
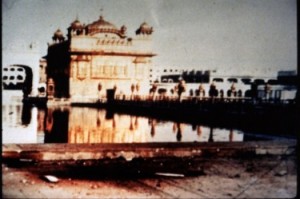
x=239, y=36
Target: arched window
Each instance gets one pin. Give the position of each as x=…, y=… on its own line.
x=19, y=77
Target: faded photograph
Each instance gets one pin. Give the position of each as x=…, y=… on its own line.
x=149, y=98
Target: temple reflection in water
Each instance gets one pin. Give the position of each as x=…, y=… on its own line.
x=88, y=125
x=98, y=126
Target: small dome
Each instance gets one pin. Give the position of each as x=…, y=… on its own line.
x=58, y=33
x=144, y=29
x=145, y=26
x=76, y=24
x=123, y=30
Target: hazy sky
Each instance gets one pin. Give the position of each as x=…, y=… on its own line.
x=235, y=35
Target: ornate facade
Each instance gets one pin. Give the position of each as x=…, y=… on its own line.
x=97, y=57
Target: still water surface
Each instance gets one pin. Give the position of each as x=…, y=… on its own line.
x=22, y=124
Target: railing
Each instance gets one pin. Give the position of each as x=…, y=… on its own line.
x=198, y=99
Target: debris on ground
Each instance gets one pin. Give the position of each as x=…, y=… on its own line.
x=281, y=173
x=169, y=174
x=50, y=178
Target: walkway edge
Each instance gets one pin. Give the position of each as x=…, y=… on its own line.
x=53, y=152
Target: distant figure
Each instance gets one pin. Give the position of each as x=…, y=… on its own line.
x=99, y=90
x=152, y=91
x=239, y=93
x=191, y=92
x=211, y=135
x=212, y=90
x=172, y=91
x=221, y=93
x=181, y=87
x=201, y=91
x=267, y=91
x=132, y=88
x=179, y=132
x=233, y=90
x=152, y=131
x=254, y=91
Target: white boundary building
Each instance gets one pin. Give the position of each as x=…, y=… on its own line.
x=26, y=55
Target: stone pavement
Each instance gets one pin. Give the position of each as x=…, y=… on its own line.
x=270, y=176
x=261, y=178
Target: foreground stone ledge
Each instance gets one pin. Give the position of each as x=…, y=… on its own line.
x=53, y=152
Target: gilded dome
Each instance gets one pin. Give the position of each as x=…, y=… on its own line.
x=102, y=26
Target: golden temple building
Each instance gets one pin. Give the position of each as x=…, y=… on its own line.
x=97, y=57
